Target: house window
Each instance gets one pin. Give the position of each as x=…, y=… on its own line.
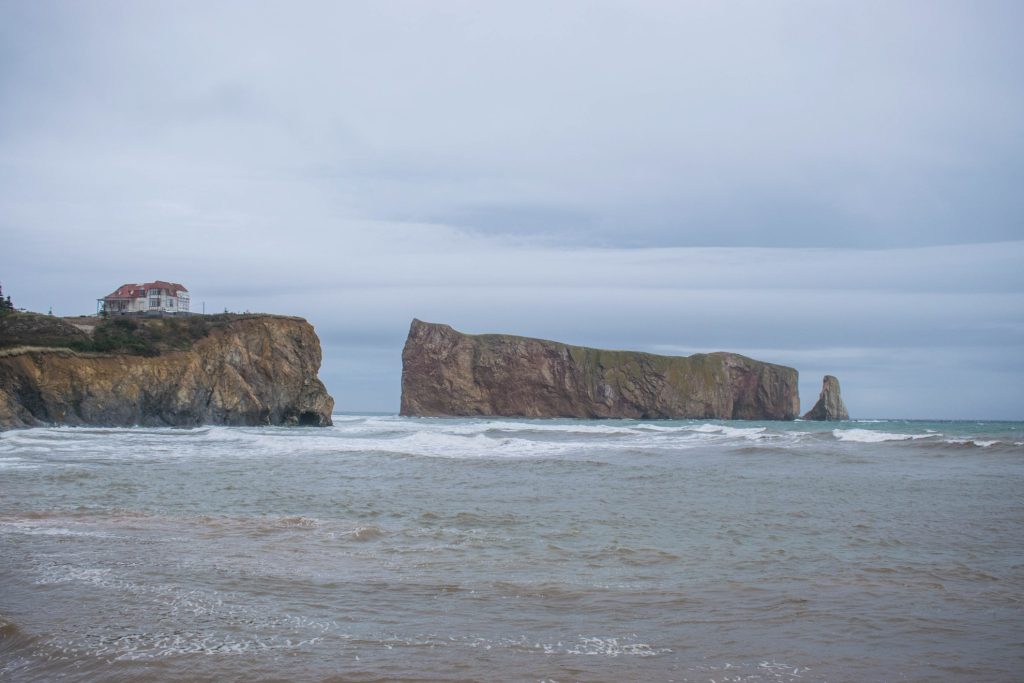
x=154, y=303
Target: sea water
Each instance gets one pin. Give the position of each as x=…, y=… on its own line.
x=388, y=548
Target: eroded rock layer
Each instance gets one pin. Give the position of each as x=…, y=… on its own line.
x=445, y=372
x=256, y=370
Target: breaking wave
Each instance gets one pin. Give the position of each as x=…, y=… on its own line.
x=477, y=438
x=871, y=436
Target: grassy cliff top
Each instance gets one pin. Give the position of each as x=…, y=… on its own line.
x=118, y=334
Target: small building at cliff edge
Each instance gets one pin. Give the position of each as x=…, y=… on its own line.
x=157, y=297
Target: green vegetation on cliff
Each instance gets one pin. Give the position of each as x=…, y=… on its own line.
x=6, y=306
x=150, y=336
x=36, y=329
x=123, y=334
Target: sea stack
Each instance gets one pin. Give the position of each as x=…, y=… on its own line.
x=448, y=373
x=830, y=404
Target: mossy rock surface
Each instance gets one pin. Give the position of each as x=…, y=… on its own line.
x=133, y=335
x=36, y=329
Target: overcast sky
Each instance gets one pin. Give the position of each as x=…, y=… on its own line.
x=836, y=186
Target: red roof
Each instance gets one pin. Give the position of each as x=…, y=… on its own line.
x=130, y=291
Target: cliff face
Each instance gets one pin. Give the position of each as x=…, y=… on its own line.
x=830, y=404
x=258, y=370
x=445, y=372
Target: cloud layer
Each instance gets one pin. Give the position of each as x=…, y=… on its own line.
x=834, y=187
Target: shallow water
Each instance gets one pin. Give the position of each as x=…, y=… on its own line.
x=389, y=548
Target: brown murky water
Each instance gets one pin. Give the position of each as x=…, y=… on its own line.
x=401, y=549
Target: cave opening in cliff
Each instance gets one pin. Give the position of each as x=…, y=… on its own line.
x=309, y=419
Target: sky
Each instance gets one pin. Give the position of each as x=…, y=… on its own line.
x=834, y=186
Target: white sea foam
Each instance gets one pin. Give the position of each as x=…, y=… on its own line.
x=17, y=464
x=475, y=426
x=55, y=574
x=599, y=429
x=486, y=439
x=613, y=647
x=980, y=443
x=429, y=437
x=30, y=529
x=745, y=432
x=581, y=645
x=452, y=438
x=457, y=446
x=483, y=425
x=382, y=435
x=687, y=436
x=872, y=436
x=648, y=427
x=195, y=611
x=425, y=442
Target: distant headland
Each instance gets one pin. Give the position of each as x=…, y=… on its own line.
x=144, y=359
x=163, y=370
x=445, y=372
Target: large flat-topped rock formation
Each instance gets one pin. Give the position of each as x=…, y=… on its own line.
x=239, y=370
x=447, y=373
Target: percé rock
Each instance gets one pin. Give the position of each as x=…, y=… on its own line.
x=830, y=404
x=254, y=370
x=447, y=373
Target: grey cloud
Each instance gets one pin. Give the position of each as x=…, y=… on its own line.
x=745, y=124
x=598, y=173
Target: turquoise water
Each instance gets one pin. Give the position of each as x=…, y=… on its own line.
x=390, y=548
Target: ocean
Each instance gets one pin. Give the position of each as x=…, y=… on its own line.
x=400, y=549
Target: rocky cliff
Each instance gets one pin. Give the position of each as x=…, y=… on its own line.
x=830, y=404
x=248, y=370
x=445, y=372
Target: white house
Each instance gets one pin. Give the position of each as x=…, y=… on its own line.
x=148, y=297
